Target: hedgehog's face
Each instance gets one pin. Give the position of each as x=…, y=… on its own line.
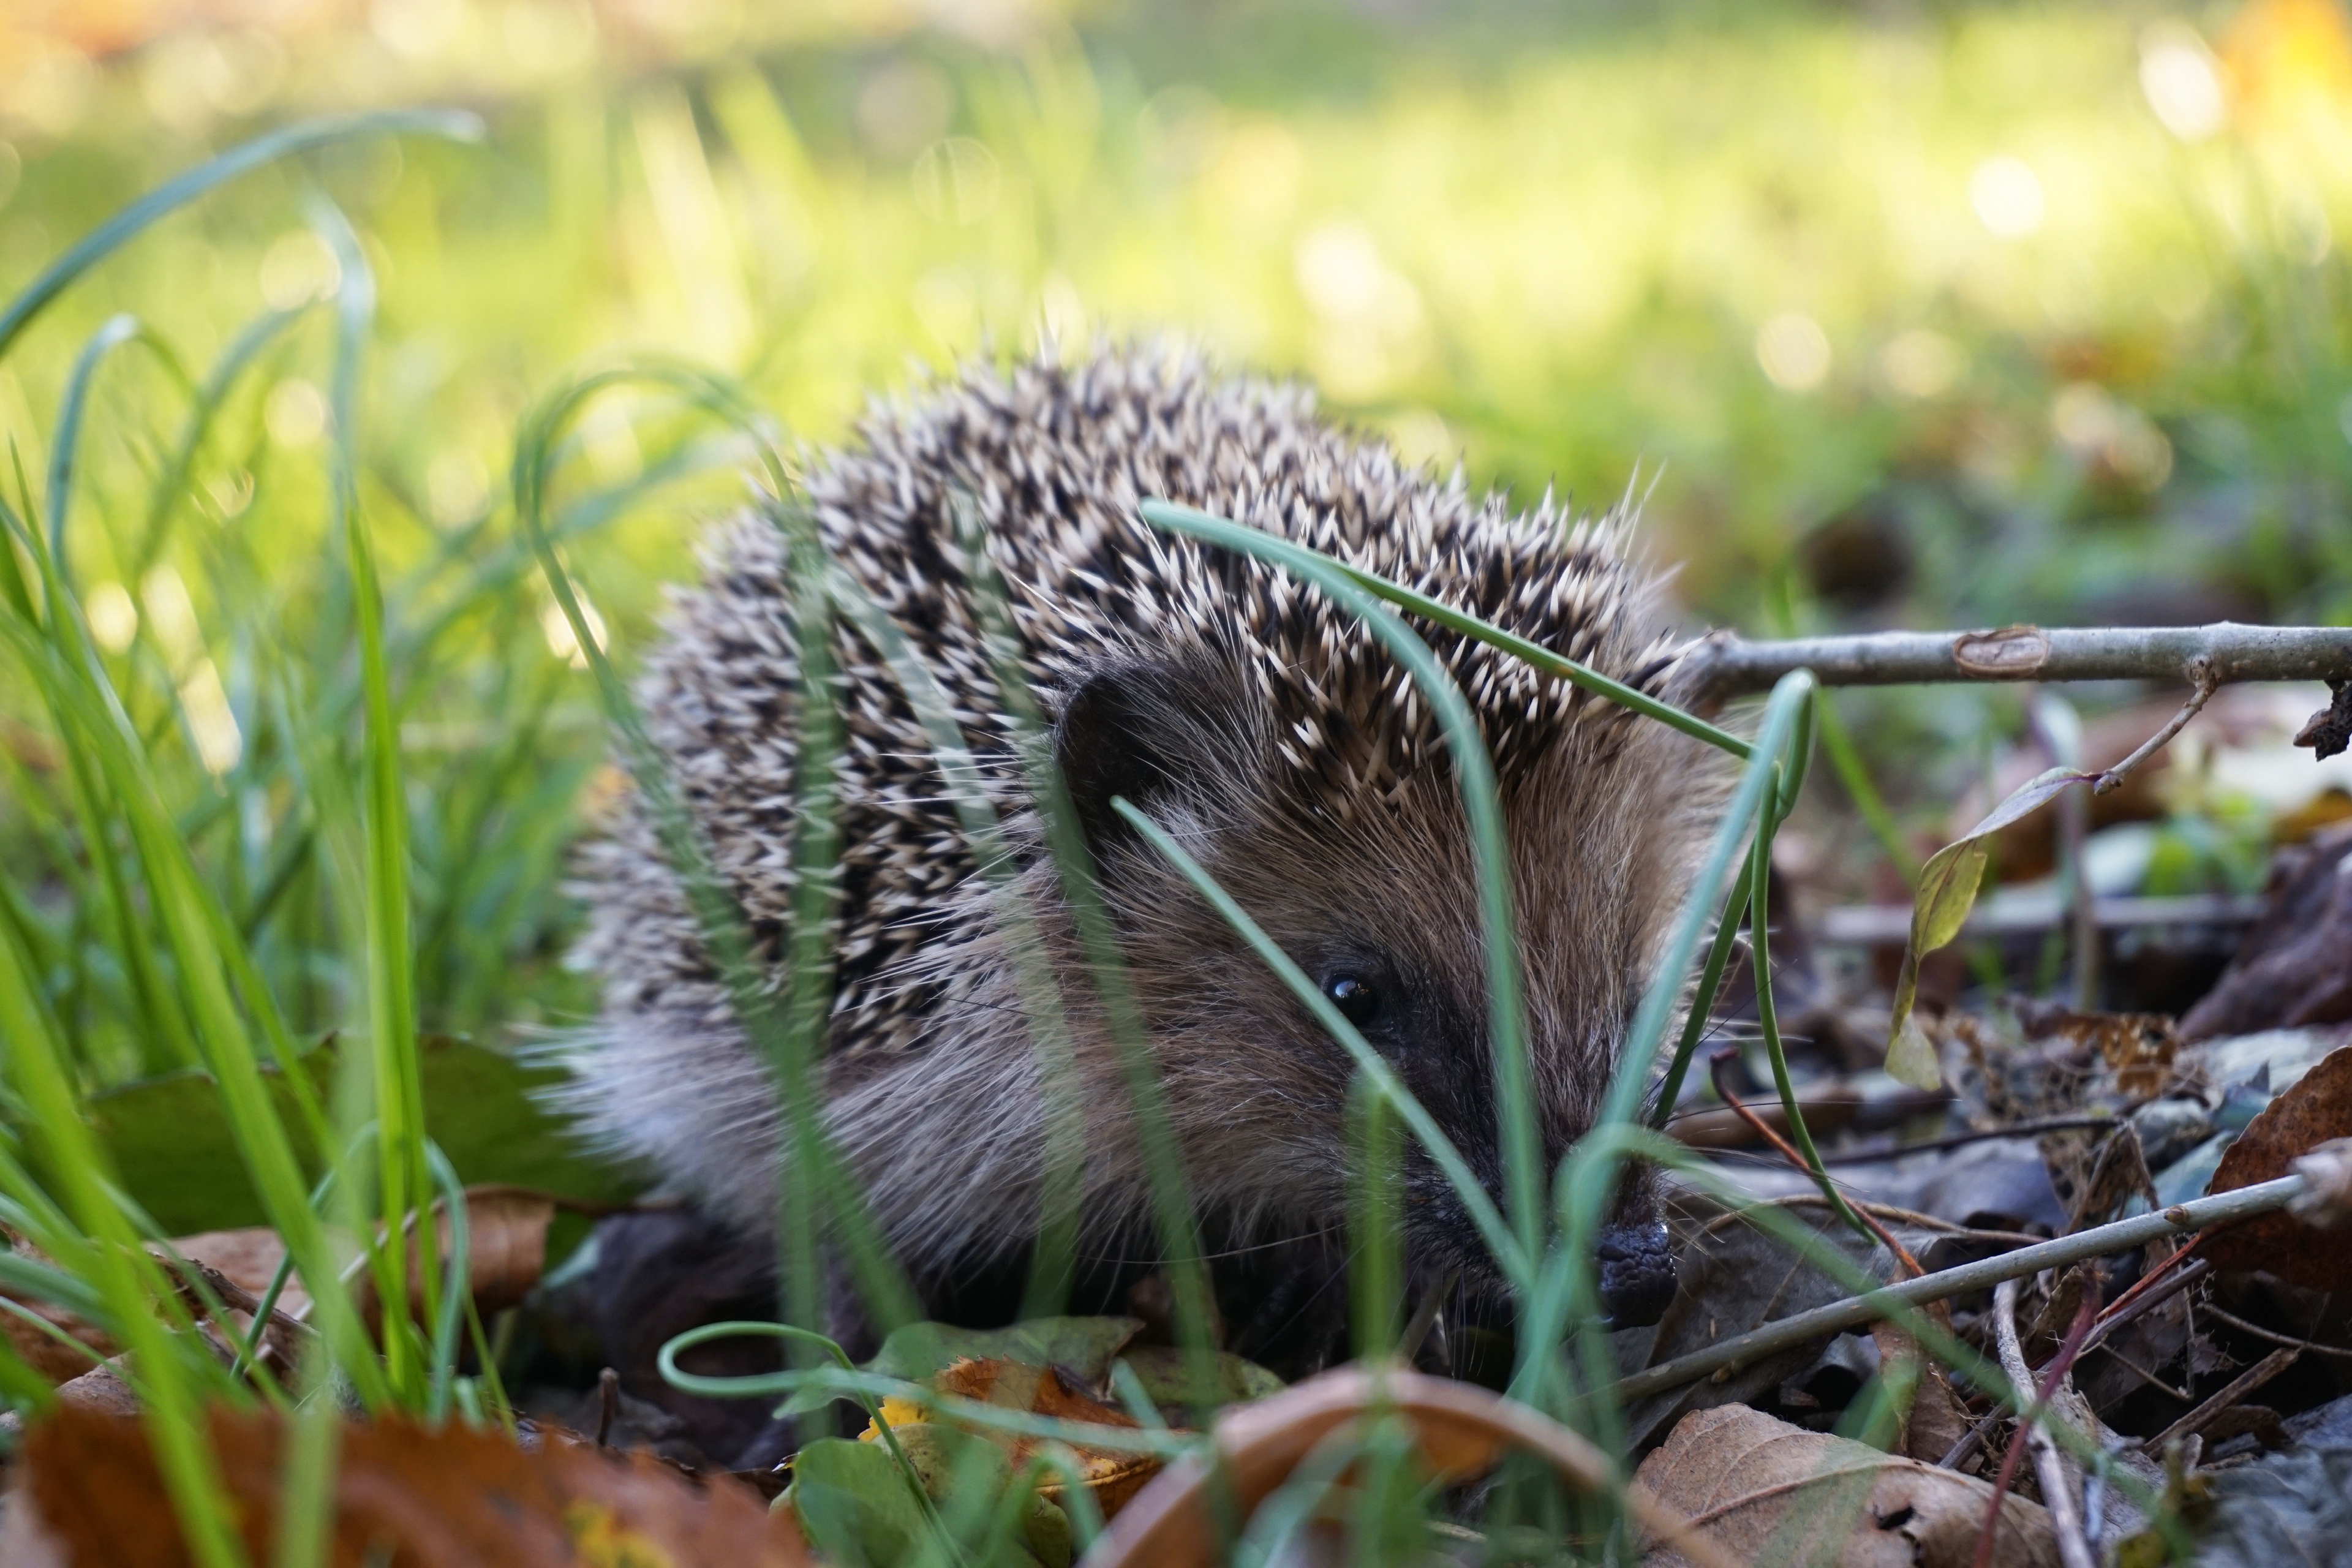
x=1383, y=913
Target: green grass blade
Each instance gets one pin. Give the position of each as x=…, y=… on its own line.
x=1499, y=1236
x=404, y=1181
x=767, y=1021
x=243, y=350
x=119, y=1268
x=67, y=446
x=180, y=901
x=1187, y=519
x=1099, y=943
x=1474, y=773
x=1702, y=1002
x=1853, y=775
x=136, y=219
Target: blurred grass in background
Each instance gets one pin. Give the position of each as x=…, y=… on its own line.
x=1918, y=314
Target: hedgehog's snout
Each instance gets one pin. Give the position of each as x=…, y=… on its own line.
x=1637, y=1273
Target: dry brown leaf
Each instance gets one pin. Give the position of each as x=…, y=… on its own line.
x=1112, y=1475
x=2315, y=1109
x=434, y=1499
x=506, y=1249
x=42, y=1352
x=1757, y=1488
x=1461, y=1432
x=1935, y=1421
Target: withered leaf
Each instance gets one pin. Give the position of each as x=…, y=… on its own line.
x=1761, y=1489
x=2315, y=1109
x=1112, y=1475
x=405, y=1496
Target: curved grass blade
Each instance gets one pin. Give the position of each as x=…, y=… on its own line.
x=1073, y=864
x=188, y=917
x=124, y=1276
x=1757, y=794
x=243, y=350
x=1188, y=520
x=1474, y=776
x=1702, y=1002
x=134, y=219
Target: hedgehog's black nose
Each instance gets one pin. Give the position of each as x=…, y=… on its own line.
x=1637, y=1273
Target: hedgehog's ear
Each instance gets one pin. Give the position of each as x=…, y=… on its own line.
x=1152, y=731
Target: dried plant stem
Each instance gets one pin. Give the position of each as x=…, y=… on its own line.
x=2201, y=676
x=2058, y=1490
x=2245, y=1382
x=1732, y=666
x=2244, y=1203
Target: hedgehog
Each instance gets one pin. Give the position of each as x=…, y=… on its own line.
x=1261, y=724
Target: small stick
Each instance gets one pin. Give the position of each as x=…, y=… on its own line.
x=1962, y=1139
x=2200, y=673
x=1726, y=665
x=2221, y=1208
x=2134, y=1303
x=2058, y=1493
x=608, y=1405
x=2245, y=1382
x=2272, y=1335
x=2127, y=1306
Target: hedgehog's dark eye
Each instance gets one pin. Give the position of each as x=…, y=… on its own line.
x=1358, y=1000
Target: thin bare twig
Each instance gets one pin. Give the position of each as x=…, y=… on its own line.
x=2058, y=1494
x=1728, y=665
x=2275, y=1337
x=2201, y=675
x=2135, y=1302
x=2245, y=1382
x=1962, y=1139
x=2222, y=1208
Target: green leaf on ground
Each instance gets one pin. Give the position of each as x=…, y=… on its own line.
x=173, y=1147
x=855, y=1504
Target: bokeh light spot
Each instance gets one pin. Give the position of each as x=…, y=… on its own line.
x=1794, y=351
x=112, y=615
x=1922, y=363
x=903, y=108
x=2007, y=196
x=2183, y=81
x=297, y=269
x=294, y=414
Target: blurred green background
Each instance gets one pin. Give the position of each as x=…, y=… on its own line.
x=1922, y=314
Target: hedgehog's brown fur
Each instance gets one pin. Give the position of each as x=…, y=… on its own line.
x=1262, y=726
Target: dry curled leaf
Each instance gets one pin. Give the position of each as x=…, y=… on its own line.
x=1460, y=1431
x=2316, y=1108
x=405, y=1496
x=1760, y=1489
